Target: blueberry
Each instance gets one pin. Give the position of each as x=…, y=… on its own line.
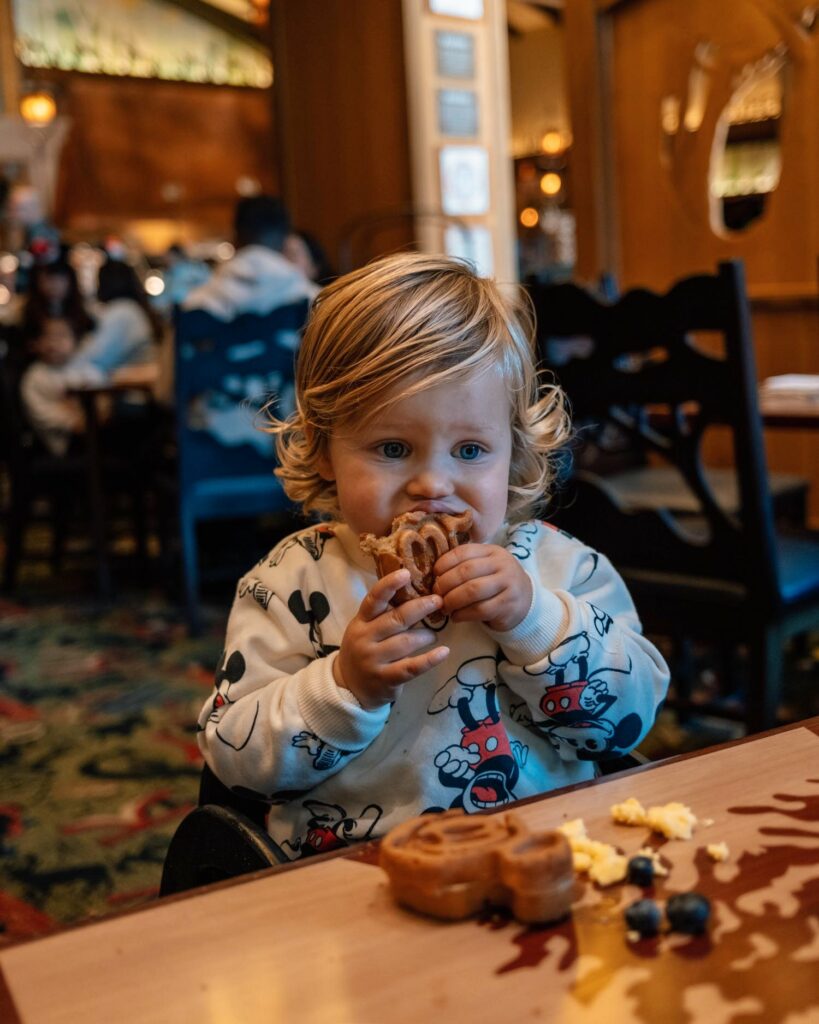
x=643, y=916
x=688, y=912
x=641, y=871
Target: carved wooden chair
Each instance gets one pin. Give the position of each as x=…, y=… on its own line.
x=714, y=570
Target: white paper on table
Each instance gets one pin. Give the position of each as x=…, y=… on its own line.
x=790, y=383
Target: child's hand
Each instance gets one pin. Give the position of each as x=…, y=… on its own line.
x=378, y=649
x=483, y=583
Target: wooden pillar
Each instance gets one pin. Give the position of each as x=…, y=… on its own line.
x=587, y=45
x=360, y=135
x=340, y=112
x=9, y=68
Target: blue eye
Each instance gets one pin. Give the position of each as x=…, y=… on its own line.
x=469, y=452
x=393, y=449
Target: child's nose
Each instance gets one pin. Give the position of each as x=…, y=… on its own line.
x=429, y=482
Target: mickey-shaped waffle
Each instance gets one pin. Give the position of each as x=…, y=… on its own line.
x=416, y=541
x=451, y=865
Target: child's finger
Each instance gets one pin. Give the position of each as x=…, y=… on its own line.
x=405, y=644
x=410, y=668
x=463, y=572
x=475, y=591
x=377, y=601
x=463, y=553
x=393, y=620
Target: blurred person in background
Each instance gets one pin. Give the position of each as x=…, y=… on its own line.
x=56, y=417
x=182, y=274
x=30, y=234
x=54, y=292
x=258, y=278
x=305, y=252
x=128, y=331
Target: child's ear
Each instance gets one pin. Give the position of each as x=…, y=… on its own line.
x=324, y=465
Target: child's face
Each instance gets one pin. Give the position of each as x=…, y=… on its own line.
x=56, y=343
x=445, y=449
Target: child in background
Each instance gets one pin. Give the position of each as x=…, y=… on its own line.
x=54, y=293
x=55, y=417
x=416, y=390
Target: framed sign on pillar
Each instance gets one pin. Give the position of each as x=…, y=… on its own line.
x=457, y=69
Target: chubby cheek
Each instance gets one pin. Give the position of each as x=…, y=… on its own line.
x=489, y=506
x=364, y=504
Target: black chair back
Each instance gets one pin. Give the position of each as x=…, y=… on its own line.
x=646, y=374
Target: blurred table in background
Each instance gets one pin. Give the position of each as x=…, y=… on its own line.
x=790, y=401
x=141, y=379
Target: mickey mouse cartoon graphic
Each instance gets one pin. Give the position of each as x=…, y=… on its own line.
x=324, y=756
x=312, y=613
x=329, y=827
x=234, y=731
x=313, y=541
x=486, y=764
x=576, y=709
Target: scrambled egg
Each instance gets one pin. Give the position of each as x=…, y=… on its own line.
x=673, y=820
x=600, y=861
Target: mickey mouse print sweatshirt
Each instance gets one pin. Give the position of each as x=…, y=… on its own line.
x=505, y=716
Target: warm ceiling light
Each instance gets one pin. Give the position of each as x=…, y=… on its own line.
x=38, y=108
x=529, y=217
x=552, y=143
x=551, y=184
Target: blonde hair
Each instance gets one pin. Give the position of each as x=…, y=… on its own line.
x=397, y=326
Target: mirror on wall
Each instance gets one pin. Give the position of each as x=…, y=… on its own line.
x=746, y=158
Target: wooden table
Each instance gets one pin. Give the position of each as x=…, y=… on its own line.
x=131, y=378
x=780, y=413
x=325, y=942
x=790, y=401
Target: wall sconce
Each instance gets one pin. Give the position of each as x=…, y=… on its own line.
x=38, y=108
x=551, y=183
x=555, y=143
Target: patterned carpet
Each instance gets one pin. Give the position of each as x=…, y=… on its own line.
x=97, y=753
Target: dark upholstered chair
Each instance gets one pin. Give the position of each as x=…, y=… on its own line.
x=224, y=836
x=715, y=570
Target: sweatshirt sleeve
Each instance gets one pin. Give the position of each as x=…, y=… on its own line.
x=277, y=724
x=590, y=682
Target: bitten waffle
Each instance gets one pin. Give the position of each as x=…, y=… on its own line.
x=451, y=865
x=416, y=541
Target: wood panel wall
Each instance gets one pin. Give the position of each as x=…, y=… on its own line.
x=646, y=212
x=130, y=138
x=341, y=110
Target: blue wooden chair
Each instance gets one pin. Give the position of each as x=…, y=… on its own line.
x=224, y=375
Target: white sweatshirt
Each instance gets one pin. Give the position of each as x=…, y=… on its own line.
x=505, y=716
